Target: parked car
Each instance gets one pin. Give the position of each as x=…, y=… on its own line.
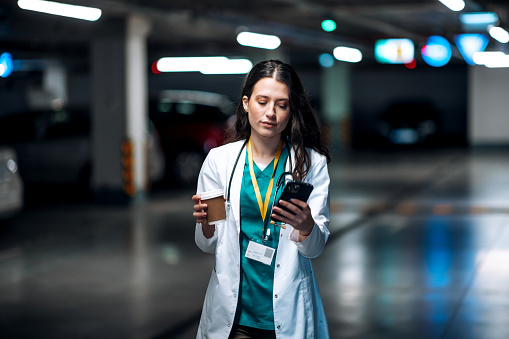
x=11, y=184
x=409, y=123
x=54, y=147
x=190, y=124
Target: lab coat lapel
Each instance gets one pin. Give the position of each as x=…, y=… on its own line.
x=237, y=181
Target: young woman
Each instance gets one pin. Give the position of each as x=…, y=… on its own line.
x=274, y=295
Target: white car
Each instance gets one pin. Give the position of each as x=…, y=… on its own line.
x=53, y=147
x=11, y=185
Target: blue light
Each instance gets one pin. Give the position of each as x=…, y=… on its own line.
x=328, y=25
x=326, y=60
x=486, y=18
x=437, y=51
x=468, y=44
x=5, y=65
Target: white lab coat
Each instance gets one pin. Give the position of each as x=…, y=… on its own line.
x=298, y=309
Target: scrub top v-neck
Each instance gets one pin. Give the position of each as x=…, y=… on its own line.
x=257, y=279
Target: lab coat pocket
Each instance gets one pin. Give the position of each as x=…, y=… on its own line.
x=306, y=297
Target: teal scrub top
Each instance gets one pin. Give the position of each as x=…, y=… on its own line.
x=257, y=279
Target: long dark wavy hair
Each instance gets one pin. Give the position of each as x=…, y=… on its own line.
x=302, y=130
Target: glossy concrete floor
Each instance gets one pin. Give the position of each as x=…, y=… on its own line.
x=419, y=249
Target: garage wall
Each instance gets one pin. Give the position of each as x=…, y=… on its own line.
x=488, y=106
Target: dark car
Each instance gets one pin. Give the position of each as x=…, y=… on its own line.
x=54, y=146
x=190, y=124
x=11, y=184
x=409, y=123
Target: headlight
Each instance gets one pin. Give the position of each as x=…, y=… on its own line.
x=12, y=166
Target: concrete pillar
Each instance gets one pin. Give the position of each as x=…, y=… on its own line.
x=119, y=110
x=336, y=104
x=488, y=102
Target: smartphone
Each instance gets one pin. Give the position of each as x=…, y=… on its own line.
x=295, y=190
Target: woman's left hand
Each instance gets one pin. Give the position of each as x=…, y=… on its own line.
x=300, y=219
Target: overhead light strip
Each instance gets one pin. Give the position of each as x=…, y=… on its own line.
x=204, y=65
x=484, y=18
x=258, y=40
x=494, y=59
x=56, y=8
x=347, y=54
x=454, y=5
x=499, y=34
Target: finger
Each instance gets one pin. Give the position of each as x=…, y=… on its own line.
x=199, y=207
x=282, y=212
x=294, y=209
x=283, y=219
x=301, y=204
x=200, y=215
x=196, y=198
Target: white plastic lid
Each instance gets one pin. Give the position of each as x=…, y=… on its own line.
x=211, y=194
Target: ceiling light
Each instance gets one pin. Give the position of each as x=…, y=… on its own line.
x=501, y=62
x=326, y=60
x=228, y=66
x=493, y=59
x=204, y=65
x=258, y=40
x=481, y=58
x=437, y=51
x=485, y=18
x=71, y=11
x=328, y=25
x=454, y=5
x=347, y=54
x=468, y=44
x=6, y=64
x=394, y=51
x=499, y=34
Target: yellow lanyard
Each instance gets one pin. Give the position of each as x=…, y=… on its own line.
x=263, y=207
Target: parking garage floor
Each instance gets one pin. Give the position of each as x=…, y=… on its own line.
x=419, y=248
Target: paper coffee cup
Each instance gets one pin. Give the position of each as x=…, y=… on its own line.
x=216, y=211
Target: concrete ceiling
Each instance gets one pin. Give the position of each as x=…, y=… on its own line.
x=205, y=27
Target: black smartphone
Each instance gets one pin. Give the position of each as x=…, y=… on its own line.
x=295, y=190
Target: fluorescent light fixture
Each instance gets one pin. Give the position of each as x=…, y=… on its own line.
x=394, y=51
x=228, y=66
x=204, y=65
x=499, y=34
x=56, y=8
x=485, y=18
x=500, y=62
x=493, y=59
x=481, y=58
x=258, y=40
x=347, y=54
x=454, y=5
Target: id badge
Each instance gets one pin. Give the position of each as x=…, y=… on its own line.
x=259, y=252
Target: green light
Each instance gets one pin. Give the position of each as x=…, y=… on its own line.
x=328, y=25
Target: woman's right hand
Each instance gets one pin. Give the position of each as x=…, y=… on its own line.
x=200, y=210
x=200, y=214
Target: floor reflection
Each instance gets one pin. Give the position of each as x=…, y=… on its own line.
x=418, y=249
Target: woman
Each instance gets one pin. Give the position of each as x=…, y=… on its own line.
x=277, y=296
